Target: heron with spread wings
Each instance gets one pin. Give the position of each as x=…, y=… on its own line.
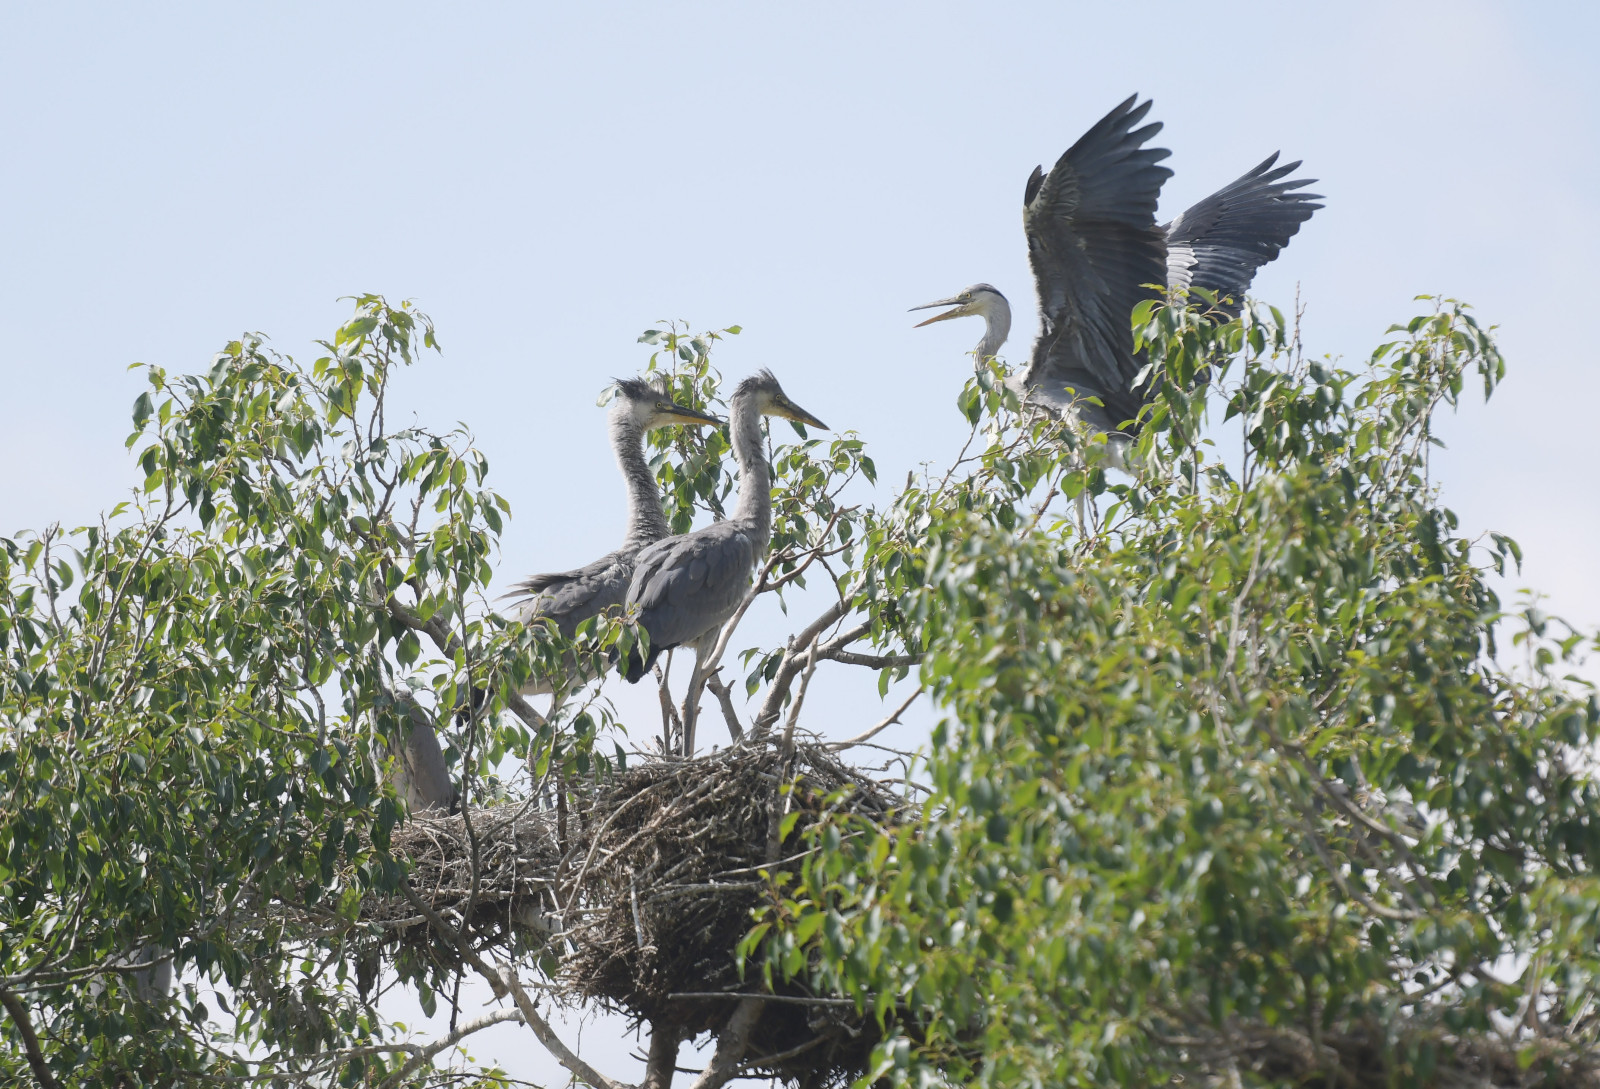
x=1095, y=249
x=685, y=588
x=567, y=598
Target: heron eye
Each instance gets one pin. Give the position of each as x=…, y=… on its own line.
x=966, y=294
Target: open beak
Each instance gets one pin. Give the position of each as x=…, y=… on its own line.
x=952, y=301
x=693, y=417
x=792, y=411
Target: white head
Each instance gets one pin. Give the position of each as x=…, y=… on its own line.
x=768, y=399
x=648, y=405
x=979, y=300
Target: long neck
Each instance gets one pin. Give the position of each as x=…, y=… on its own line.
x=996, y=327
x=646, y=520
x=755, y=485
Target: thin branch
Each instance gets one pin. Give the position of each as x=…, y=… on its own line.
x=835, y=746
x=724, y=696
x=793, y=661
x=30, y=1039
x=427, y=1052
x=502, y=980
x=732, y=1042
x=871, y=661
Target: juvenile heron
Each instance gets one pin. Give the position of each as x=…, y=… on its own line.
x=1094, y=246
x=687, y=587
x=567, y=598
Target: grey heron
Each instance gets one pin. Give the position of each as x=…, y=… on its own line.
x=685, y=588
x=567, y=598
x=1095, y=247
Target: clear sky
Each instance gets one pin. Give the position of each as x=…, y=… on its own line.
x=546, y=181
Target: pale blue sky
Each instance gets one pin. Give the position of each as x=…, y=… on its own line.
x=548, y=181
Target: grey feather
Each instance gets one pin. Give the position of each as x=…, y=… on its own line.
x=1094, y=247
x=1221, y=241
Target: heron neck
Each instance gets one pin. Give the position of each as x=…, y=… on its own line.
x=755, y=483
x=647, y=522
x=996, y=327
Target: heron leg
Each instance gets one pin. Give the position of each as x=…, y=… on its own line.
x=697, y=686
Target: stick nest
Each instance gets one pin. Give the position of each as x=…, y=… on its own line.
x=643, y=890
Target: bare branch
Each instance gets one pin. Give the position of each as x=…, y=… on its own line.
x=428, y=1051
x=793, y=662
x=725, y=699
x=732, y=1042
x=503, y=979
x=871, y=661
x=880, y=727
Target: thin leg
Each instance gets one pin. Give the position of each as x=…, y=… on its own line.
x=697, y=685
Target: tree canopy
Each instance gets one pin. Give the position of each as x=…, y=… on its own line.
x=1242, y=770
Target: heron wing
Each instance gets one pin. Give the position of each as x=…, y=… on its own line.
x=1094, y=245
x=571, y=597
x=686, y=586
x=1220, y=242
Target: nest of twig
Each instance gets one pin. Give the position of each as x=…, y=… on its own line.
x=1370, y=1054
x=644, y=887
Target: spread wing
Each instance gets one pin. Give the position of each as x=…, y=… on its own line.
x=1094, y=244
x=1221, y=242
x=687, y=586
x=571, y=597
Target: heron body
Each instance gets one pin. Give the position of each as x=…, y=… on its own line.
x=1096, y=249
x=685, y=588
x=567, y=598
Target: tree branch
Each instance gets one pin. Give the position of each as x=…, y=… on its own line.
x=793, y=661
x=427, y=1052
x=504, y=980
x=880, y=727
x=732, y=1042
x=725, y=698
x=30, y=1039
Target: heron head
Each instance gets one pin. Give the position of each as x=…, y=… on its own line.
x=974, y=301
x=770, y=400
x=649, y=405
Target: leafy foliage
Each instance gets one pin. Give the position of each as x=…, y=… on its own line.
x=1229, y=767
x=1230, y=760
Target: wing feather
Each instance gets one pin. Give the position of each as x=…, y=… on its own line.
x=1220, y=242
x=571, y=597
x=687, y=586
x=1094, y=245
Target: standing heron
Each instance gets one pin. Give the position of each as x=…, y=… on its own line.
x=1095, y=249
x=687, y=587
x=567, y=598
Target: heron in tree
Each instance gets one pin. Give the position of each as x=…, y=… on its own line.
x=1095, y=248
x=685, y=588
x=568, y=598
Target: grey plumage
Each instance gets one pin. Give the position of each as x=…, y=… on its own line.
x=1095, y=250
x=685, y=588
x=1094, y=245
x=567, y=598
x=419, y=773
x=1221, y=241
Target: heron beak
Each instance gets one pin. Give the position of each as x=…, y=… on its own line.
x=792, y=411
x=693, y=417
x=952, y=301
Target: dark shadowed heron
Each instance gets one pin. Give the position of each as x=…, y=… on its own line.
x=1094, y=246
x=568, y=598
x=687, y=587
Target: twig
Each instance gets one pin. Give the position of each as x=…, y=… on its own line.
x=724, y=696
x=796, y=1000
x=427, y=1052
x=792, y=663
x=835, y=746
